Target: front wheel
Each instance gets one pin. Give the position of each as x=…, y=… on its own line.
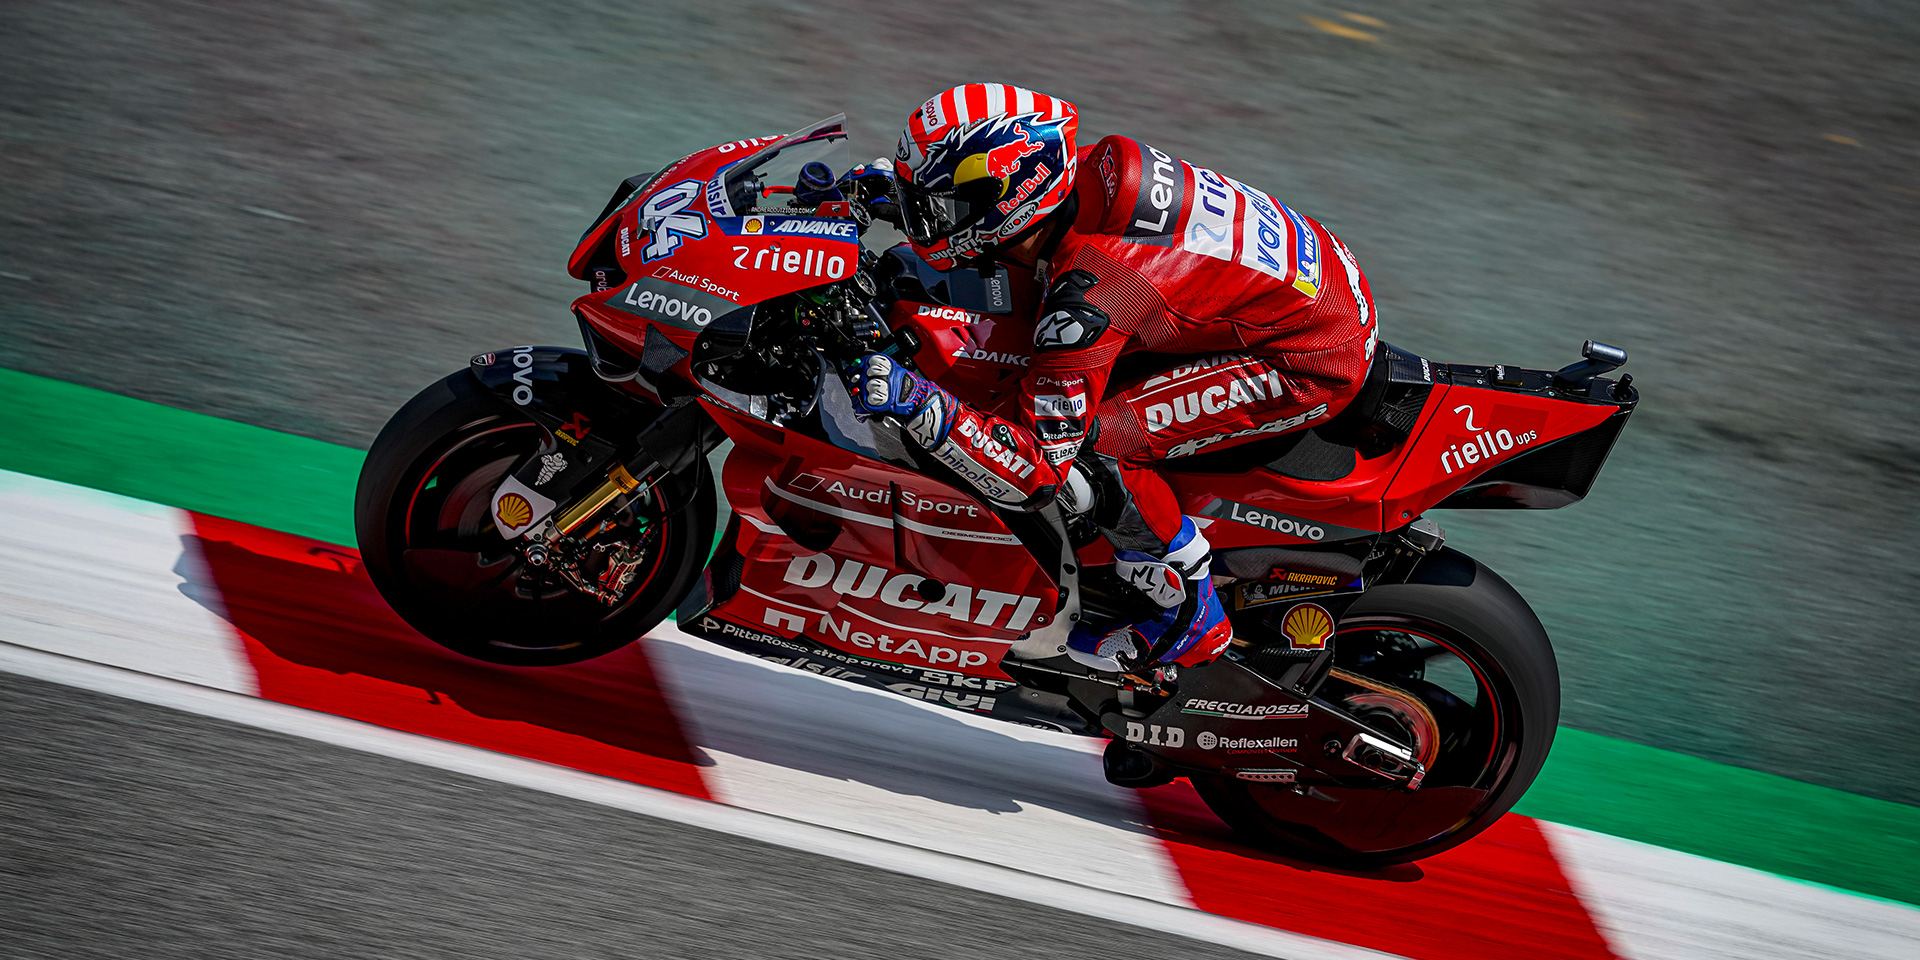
x=1455, y=664
x=430, y=546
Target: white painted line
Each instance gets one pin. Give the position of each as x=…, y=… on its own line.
x=560, y=781
x=854, y=758
x=108, y=578
x=1658, y=904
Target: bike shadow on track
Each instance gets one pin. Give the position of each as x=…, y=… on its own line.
x=319, y=635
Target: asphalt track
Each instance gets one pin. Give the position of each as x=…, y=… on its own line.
x=294, y=214
x=274, y=631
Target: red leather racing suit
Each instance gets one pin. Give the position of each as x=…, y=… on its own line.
x=1263, y=317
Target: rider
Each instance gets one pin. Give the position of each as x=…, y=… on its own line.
x=1247, y=319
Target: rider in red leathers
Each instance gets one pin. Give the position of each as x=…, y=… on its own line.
x=1259, y=319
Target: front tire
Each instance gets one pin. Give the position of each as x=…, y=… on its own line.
x=430, y=546
x=1489, y=745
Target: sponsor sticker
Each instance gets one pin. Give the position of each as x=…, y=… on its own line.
x=1207, y=740
x=1245, y=711
x=1299, y=528
x=1307, y=626
x=1209, y=228
x=1482, y=443
x=807, y=226
x=804, y=260
x=518, y=507
x=523, y=375
x=1060, y=407
x=694, y=280
x=1306, y=249
x=670, y=303
x=1155, y=735
x=574, y=431
x=1156, y=206
x=1263, y=234
x=962, y=602
x=1262, y=592
x=551, y=465
x=513, y=510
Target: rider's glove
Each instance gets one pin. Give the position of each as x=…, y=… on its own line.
x=880, y=386
x=872, y=185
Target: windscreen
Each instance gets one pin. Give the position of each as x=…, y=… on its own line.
x=767, y=181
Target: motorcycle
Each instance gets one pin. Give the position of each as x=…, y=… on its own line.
x=1385, y=698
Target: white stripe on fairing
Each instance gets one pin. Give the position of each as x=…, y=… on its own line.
x=1023, y=101
x=854, y=758
x=944, y=533
x=962, y=871
x=109, y=579
x=1658, y=904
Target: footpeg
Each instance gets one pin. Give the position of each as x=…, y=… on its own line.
x=1128, y=766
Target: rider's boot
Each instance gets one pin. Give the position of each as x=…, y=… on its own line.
x=1190, y=628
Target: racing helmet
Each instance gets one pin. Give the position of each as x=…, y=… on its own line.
x=978, y=165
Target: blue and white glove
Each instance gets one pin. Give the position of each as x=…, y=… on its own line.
x=882, y=387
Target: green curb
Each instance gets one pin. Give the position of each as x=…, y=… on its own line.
x=196, y=462
x=88, y=437
x=1755, y=819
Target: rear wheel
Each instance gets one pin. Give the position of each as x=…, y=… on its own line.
x=1461, y=669
x=430, y=546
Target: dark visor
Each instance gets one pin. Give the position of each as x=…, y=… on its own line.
x=930, y=216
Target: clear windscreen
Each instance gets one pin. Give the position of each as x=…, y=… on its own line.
x=788, y=174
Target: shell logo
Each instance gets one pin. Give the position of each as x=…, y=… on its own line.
x=513, y=511
x=1307, y=627
x=752, y=225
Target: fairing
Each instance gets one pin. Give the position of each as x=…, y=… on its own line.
x=710, y=236
x=836, y=546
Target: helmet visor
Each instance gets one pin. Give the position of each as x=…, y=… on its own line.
x=929, y=216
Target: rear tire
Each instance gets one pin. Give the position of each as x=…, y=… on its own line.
x=1463, y=604
x=430, y=547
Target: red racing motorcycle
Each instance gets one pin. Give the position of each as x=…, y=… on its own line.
x=1385, y=698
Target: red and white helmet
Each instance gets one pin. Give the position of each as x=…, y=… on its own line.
x=978, y=165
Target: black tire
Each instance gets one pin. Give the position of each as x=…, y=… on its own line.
x=429, y=546
x=1457, y=602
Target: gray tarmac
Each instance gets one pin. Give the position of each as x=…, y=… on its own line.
x=295, y=214
x=137, y=831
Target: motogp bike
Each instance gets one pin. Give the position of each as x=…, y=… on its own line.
x=1385, y=697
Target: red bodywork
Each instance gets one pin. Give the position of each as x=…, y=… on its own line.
x=697, y=261
x=835, y=545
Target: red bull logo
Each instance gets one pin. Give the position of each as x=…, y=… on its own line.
x=1004, y=160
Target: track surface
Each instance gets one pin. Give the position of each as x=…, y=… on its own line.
x=277, y=631
x=294, y=214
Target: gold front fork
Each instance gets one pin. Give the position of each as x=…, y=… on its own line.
x=618, y=481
